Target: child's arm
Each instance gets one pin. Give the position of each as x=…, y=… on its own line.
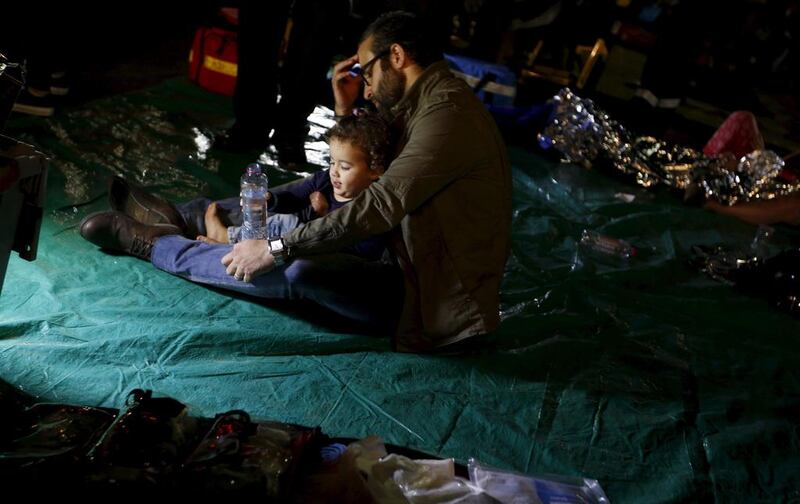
x=295, y=197
x=319, y=204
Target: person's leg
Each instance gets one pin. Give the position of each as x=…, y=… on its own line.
x=308, y=58
x=368, y=292
x=783, y=209
x=194, y=211
x=229, y=211
x=280, y=224
x=277, y=225
x=39, y=47
x=261, y=26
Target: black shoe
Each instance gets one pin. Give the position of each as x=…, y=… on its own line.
x=27, y=103
x=59, y=84
x=237, y=140
x=120, y=233
x=142, y=206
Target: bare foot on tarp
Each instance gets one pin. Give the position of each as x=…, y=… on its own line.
x=216, y=230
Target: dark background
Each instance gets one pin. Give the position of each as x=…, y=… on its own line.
x=734, y=55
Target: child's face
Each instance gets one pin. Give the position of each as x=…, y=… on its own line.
x=350, y=172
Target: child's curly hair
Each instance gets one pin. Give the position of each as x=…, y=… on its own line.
x=368, y=132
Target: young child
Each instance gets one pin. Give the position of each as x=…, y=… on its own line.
x=360, y=151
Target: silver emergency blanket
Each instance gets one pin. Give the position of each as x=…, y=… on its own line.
x=584, y=133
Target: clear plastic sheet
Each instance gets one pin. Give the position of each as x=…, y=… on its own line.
x=515, y=488
x=756, y=270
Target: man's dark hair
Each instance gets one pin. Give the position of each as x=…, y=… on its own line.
x=408, y=30
x=366, y=131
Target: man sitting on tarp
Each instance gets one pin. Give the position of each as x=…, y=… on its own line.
x=445, y=199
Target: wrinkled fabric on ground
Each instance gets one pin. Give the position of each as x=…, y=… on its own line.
x=657, y=381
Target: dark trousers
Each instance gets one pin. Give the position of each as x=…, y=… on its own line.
x=314, y=40
x=41, y=41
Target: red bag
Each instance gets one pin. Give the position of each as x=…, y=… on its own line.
x=738, y=135
x=213, y=61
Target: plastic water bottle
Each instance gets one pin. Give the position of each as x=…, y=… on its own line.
x=607, y=245
x=254, y=203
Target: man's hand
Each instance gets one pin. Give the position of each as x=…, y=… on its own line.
x=248, y=259
x=345, y=86
x=318, y=203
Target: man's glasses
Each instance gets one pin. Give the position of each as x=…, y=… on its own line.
x=366, y=69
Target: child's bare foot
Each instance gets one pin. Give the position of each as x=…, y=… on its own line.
x=204, y=238
x=216, y=231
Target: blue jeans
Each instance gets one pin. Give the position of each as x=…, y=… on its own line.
x=369, y=292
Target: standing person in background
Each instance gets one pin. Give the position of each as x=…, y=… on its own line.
x=43, y=42
x=260, y=81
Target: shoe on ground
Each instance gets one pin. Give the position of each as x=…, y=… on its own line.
x=140, y=205
x=59, y=85
x=237, y=140
x=121, y=233
x=28, y=103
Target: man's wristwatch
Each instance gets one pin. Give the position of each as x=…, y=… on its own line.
x=278, y=250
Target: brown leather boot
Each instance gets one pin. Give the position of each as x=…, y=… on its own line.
x=121, y=233
x=144, y=207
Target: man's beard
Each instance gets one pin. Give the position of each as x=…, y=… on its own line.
x=390, y=90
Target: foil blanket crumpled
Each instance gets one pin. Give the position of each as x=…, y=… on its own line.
x=584, y=133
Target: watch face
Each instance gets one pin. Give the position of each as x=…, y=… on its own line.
x=277, y=251
x=276, y=246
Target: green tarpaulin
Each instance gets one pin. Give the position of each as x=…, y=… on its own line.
x=657, y=381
